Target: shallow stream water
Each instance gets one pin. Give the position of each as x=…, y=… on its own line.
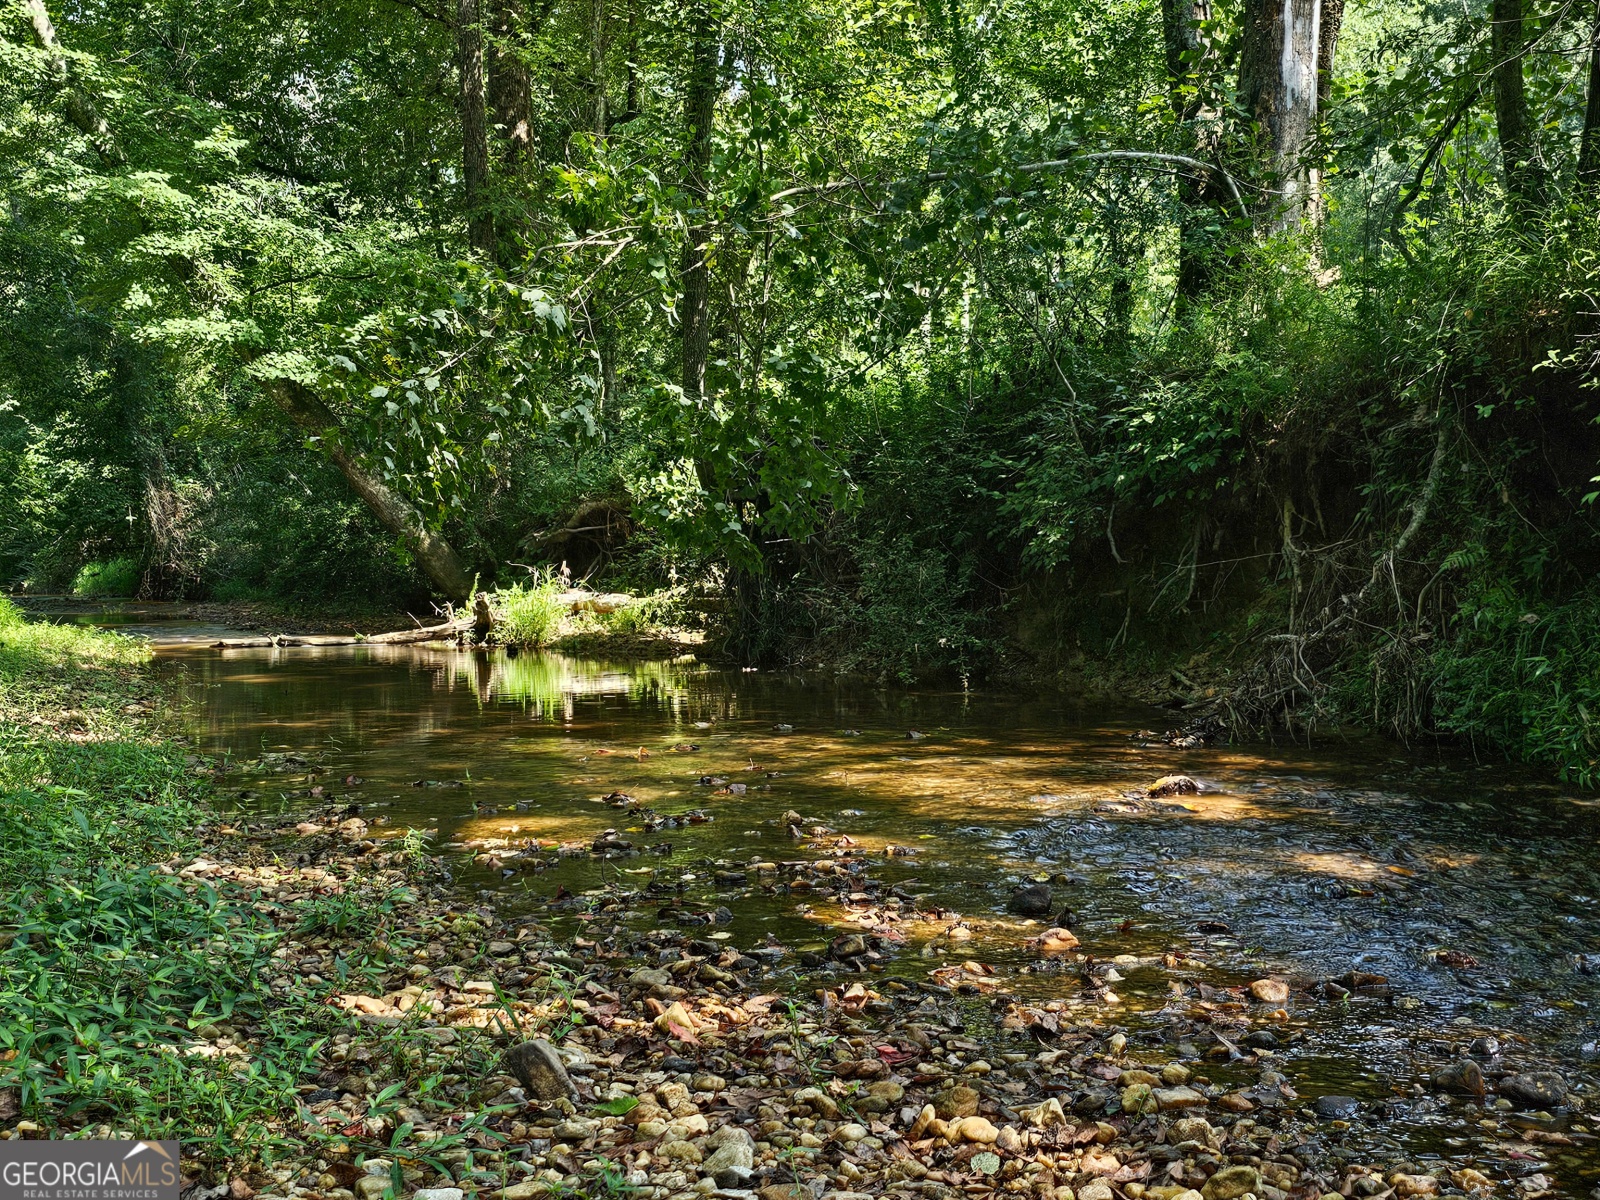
x=1474, y=890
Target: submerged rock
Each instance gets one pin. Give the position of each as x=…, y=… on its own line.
x=1172, y=785
x=1460, y=1078
x=1336, y=1108
x=1034, y=900
x=1537, y=1089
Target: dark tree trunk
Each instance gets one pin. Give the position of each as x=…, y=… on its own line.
x=474, y=128
x=1190, y=58
x=433, y=554
x=597, y=64
x=1589, y=147
x=1279, y=85
x=1524, y=175
x=631, y=91
x=699, y=105
x=510, y=90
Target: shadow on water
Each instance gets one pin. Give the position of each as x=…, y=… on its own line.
x=1474, y=891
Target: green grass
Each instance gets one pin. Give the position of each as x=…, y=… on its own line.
x=110, y=964
x=528, y=615
x=118, y=577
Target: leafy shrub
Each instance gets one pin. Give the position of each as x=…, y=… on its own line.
x=118, y=577
x=1525, y=681
x=528, y=614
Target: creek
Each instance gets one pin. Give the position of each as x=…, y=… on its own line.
x=1472, y=889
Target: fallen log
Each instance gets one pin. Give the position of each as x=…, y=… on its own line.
x=400, y=637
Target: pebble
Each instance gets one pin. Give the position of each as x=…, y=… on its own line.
x=1270, y=991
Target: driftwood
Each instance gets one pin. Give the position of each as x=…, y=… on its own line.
x=478, y=622
x=580, y=600
x=400, y=637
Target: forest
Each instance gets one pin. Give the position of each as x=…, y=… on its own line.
x=1054, y=339
x=1020, y=579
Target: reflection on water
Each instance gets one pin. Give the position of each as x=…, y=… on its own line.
x=1475, y=891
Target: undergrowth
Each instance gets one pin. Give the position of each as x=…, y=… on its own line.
x=116, y=973
x=528, y=614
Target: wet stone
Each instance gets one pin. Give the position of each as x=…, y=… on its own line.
x=1034, y=900
x=1336, y=1108
x=1460, y=1078
x=1537, y=1089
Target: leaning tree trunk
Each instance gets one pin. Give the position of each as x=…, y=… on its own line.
x=433, y=554
x=1524, y=175
x=81, y=110
x=1279, y=73
x=1589, y=146
x=699, y=101
x=474, y=129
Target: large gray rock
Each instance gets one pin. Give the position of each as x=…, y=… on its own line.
x=539, y=1068
x=1537, y=1089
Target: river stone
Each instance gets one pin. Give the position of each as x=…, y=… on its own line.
x=1135, y=1075
x=1193, y=1129
x=1413, y=1185
x=1172, y=785
x=1138, y=1099
x=1178, y=1097
x=437, y=1194
x=959, y=1101
x=825, y=1104
x=1336, y=1108
x=1462, y=1078
x=539, y=1069
x=1270, y=991
x=1034, y=900
x=1232, y=1182
x=1537, y=1089
x=1098, y=1190
x=973, y=1129
x=887, y=1091
x=733, y=1149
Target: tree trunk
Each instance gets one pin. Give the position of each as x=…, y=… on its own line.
x=1279, y=85
x=433, y=554
x=597, y=64
x=1190, y=55
x=1524, y=175
x=81, y=110
x=474, y=131
x=699, y=102
x=1589, y=147
x=510, y=89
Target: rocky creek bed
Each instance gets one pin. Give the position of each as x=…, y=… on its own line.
x=481, y=1054
x=755, y=936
